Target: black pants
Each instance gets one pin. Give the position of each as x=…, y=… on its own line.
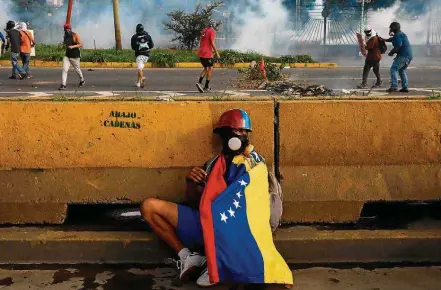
x=367, y=68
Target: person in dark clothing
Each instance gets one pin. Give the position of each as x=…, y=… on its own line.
x=73, y=43
x=13, y=37
x=141, y=43
x=403, y=50
x=373, y=58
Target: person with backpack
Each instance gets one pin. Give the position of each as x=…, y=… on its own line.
x=141, y=43
x=182, y=226
x=13, y=40
x=375, y=49
x=27, y=43
x=73, y=43
x=403, y=50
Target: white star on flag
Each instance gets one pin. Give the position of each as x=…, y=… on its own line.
x=224, y=217
x=243, y=183
x=236, y=203
x=239, y=195
x=231, y=211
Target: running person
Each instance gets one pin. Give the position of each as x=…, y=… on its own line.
x=73, y=43
x=207, y=46
x=141, y=43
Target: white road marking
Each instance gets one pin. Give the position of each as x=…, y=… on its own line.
x=236, y=93
x=106, y=94
x=39, y=94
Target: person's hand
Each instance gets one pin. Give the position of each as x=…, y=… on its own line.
x=71, y=46
x=197, y=175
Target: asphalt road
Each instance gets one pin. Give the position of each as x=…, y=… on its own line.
x=123, y=278
x=113, y=81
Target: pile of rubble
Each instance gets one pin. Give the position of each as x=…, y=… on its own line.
x=289, y=88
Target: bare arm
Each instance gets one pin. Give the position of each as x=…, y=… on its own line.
x=77, y=39
x=213, y=45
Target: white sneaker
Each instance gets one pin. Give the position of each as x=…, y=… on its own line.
x=190, y=265
x=138, y=85
x=204, y=280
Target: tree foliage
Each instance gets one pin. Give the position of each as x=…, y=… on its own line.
x=188, y=27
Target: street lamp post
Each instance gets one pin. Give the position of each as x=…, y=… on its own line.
x=117, y=25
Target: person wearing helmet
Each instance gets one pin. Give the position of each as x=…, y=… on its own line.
x=141, y=43
x=180, y=225
x=373, y=57
x=13, y=38
x=205, y=53
x=27, y=42
x=403, y=50
x=73, y=44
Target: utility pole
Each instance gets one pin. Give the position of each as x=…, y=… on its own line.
x=362, y=17
x=69, y=11
x=117, y=24
x=429, y=24
x=297, y=15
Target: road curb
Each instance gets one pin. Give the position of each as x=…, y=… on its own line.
x=40, y=63
x=298, y=245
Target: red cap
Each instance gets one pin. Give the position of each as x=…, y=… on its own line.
x=67, y=26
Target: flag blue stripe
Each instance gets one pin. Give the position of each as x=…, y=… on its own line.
x=237, y=254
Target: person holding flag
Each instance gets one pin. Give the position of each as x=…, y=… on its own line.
x=230, y=217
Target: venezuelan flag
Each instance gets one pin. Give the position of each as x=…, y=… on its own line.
x=235, y=212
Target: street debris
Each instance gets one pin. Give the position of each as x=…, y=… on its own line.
x=289, y=88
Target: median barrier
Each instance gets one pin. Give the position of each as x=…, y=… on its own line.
x=337, y=155
x=57, y=153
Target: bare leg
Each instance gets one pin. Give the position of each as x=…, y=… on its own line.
x=162, y=216
x=209, y=74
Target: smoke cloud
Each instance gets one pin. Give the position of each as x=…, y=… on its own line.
x=263, y=26
x=413, y=22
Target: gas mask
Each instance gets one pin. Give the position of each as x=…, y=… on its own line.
x=234, y=144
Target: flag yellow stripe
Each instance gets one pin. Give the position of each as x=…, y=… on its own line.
x=258, y=213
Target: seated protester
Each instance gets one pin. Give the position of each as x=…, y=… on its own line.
x=230, y=196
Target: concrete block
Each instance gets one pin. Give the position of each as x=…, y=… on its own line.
x=32, y=213
x=340, y=154
x=120, y=134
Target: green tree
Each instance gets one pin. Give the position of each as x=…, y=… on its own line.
x=188, y=26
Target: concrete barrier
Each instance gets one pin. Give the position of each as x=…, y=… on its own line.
x=337, y=155
x=334, y=155
x=55, y=153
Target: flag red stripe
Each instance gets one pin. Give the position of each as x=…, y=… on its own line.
x=215, y=186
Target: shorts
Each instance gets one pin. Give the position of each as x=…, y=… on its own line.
x=207, y=62
x=189, y=228
x=141, y=60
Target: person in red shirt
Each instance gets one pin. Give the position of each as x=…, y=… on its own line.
x=207, y=46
